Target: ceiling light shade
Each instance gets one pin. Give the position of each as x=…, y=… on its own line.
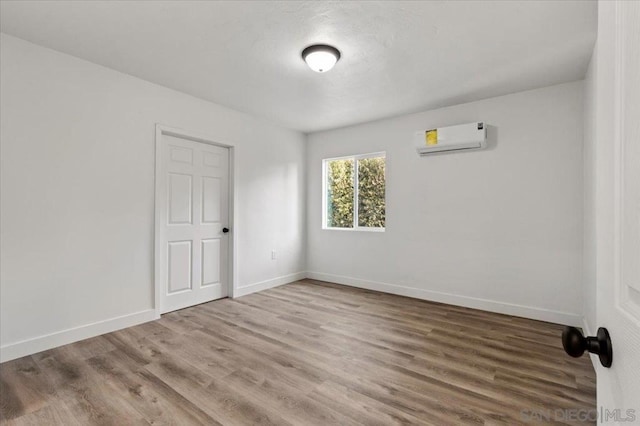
x=321, y=57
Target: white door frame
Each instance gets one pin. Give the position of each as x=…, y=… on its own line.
x=184, y=134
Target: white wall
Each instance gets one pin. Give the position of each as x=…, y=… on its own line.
x=499, y=229
x=77, y=145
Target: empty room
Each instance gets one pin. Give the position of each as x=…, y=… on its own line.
x=319, y=212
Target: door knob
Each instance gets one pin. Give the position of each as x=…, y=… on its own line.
x=575, y=344
x=225, y=230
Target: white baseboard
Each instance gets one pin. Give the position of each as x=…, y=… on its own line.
x=454, y=299
x=264, y=285
x=53, y=340
x=49, y=341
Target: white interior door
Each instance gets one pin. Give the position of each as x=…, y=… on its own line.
x=618, y=210
x=193, y=202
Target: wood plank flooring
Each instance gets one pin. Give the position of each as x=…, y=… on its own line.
x=307, y=353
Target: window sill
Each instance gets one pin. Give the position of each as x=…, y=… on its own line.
x=359, y=229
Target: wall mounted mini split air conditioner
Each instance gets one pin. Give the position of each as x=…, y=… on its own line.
x=453, y=138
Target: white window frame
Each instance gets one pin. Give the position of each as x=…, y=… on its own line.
x=355, y=158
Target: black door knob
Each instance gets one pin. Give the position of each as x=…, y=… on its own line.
x=225, y=230
x=575, y=344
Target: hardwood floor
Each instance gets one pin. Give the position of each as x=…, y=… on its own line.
x=308, y=353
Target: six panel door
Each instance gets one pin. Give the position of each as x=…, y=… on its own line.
x=194, y=186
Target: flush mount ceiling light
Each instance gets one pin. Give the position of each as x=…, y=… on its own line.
x=321, y=57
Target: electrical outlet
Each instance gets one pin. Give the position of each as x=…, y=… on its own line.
x=273, y=255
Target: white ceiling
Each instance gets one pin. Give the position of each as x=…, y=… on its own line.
x=397, y=57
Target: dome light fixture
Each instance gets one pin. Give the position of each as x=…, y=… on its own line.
x=321, y=57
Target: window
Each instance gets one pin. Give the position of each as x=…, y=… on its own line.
x=354, y=192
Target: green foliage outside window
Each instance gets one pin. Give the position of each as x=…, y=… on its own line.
x=341, y=193
x=371, y=188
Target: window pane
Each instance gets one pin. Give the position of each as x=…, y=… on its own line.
x=340, y=193
x=371, y=187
